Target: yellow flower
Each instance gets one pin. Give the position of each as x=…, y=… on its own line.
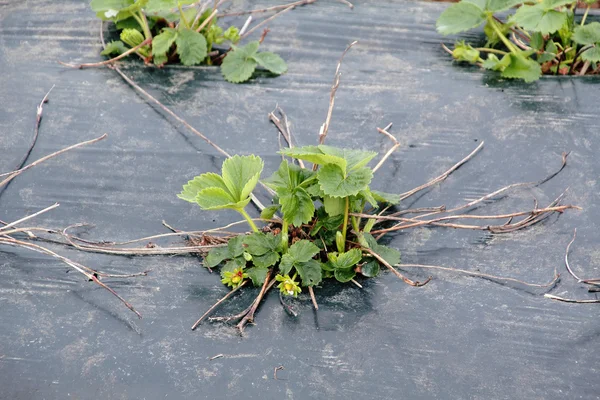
x=234, y=278
x=288, y=286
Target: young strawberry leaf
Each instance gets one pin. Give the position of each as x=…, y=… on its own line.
x=389, y=198
x=270, y=61
x=540, y=18
x=370, y=269
x=115, y=47
x=344, y=275
x=302, y=251
x=258, y=275
x=162, y=42
x=241, y=175
x=191, y=46
x=315, y=155
x=116, y=10
x=259, y=243
x=269, y=211
x=354, y=158
x=239, y=64
x=334, y=206
x=216, y=256
x=493, y=63
x=335, y=183
x=391, y=256
x=591, y=55
x=310, y=272
x=460, y=17
x=587, y=34
x=522, y=67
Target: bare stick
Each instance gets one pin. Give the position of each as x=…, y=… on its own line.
x=553, y=297
x=36, y=131
x=312, y=297
x=346, y=2
x=398, y=274
x=594, y=282
x=107, y=62
x=207, y=20
x=250, y=316
x=266, y=21
x=246, y=25
x=268, y=9
x=217, y=304
x=284, y=129
x=275, y=372
x=12, y=175
x=443, y=176
x=356, y=283
x=384, y=131
x=334, y=88
x=482, y=275
x=78, y=267
x=17, y=222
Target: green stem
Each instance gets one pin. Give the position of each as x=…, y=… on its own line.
x=345, y=226
x=284, y=236
x=585, y=14
x=250, y=222
x=496, y=29
x=141, y=19
x=485, y=49
x=185, y=21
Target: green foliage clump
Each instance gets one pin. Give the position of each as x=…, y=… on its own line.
x=167, y=31
x=314, y=235
x=540, y=37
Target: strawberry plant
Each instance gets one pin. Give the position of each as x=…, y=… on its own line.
x=316, y=237
x=184, y=31
x=540, y=37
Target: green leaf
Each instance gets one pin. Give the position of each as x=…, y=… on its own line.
x=302, y=251
x=154, y=6
x=354, y=158
x=266, y=260
x=549, y=54
x=391, y=256
x=523, y=68
x=199, y=183
x=239, y=64
x=481, y=4
x=271, y=62
x=591, y=55
x=502, y=5
x=493, y=63
x=348, y=259
x=335, y=184
x=315, y=155
x=216, y=256
x=116, y=10
x=537, y=41
x=269, y=211
x=310, y=272
x=286, y=264
x=334, y=205
x=259, y=243
x=236, y=246
x=389, y=198
x=258, y=275
x=297, y=206
x=191, y=46
x=241, y=174
x=115, y=47
x=370, y=269
x=538, y=18
x=215, y=198
x=344, y=275
x=587, y=34
x=460, y=17
x=162, y=42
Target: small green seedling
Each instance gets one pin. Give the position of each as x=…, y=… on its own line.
x=168, y=31
x=541, y=37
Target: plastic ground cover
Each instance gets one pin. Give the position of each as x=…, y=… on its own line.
x=457, y=337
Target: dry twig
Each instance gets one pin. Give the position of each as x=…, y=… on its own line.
x=214, y=306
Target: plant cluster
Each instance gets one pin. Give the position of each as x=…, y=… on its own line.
x=168, y=31
x=540, y=37
x=316, y=236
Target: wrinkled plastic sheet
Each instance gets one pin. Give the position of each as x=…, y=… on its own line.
x=457, y=337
